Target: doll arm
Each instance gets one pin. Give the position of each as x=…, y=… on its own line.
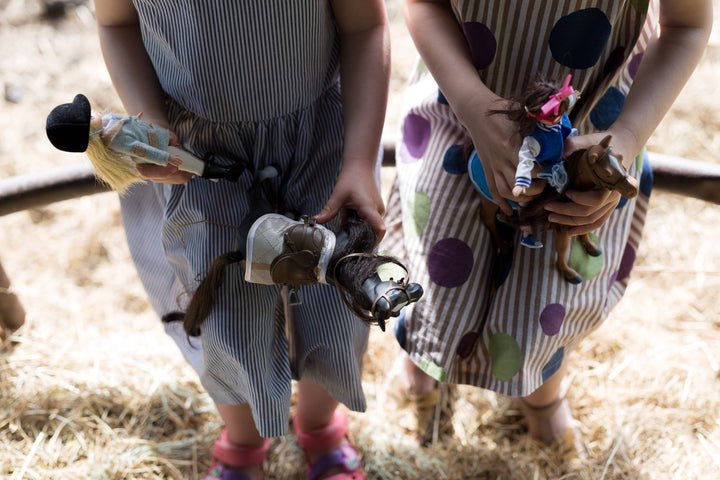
x=444, y=50
x=666, y=66
x=364, y=76
x=523, y=175
x=132, y=73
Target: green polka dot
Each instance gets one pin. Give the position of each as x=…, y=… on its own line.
x=639, y=161
x=434, y=370
x=423, y=68
x=417, y=214
x=586, y=265
x=505, y=356
x=640, y=5
x=387, y=271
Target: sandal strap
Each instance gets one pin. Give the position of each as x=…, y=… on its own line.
x=544, y=411
x=239, y=455
x=218, y=471
x=324, y=437
x=344, y=456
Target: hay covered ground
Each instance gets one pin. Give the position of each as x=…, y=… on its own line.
x=91, y=387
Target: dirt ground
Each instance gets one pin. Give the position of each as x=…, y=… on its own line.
x=91, y=387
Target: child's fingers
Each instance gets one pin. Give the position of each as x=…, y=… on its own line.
x=167, y=174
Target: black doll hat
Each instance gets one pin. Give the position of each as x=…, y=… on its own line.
x=68, y=125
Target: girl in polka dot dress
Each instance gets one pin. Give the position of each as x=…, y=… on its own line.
x=508, y=323
x=256, y=84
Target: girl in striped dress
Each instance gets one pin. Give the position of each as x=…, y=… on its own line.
x=256, y=83
x=509, y=323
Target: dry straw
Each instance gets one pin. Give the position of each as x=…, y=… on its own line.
x=92, y=388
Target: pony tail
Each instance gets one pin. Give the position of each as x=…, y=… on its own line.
x=111, y=168
x=203, y=299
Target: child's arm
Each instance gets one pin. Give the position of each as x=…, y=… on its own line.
x=133, y=75
x=364, y=76
x=444, y=50
x=666, y=66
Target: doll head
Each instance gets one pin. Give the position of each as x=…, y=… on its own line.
x=71, y=127
x=68, y=125
x=542, y=101
x=555, y=106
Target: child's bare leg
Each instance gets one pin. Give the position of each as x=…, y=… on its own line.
x=241, y=430
x=547, y=428
x=315, y=409
x=322, y=434
x=418, y=382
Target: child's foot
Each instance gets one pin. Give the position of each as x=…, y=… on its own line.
x=236, y=462
x=328, y=452
x=553, y=425
x=408, y=388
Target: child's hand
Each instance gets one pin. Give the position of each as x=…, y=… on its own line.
x=356, y=188
x=168, y=174
x=496, y=141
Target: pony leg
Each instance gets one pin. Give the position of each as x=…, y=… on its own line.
x=562, y=244
x=590, y=247
x=488, y=212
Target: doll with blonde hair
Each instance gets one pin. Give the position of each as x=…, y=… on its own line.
x=115, y=143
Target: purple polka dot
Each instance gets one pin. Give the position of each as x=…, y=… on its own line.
x=416, y=135
x=614, y=61
x=482, y=44
x=450, y=262
x=551, y=319
x=627, y=262
x=634, y=64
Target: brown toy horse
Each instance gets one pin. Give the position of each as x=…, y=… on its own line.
x=588, y=169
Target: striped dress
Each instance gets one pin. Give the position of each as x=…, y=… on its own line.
x=507, y=323
x=254, y=83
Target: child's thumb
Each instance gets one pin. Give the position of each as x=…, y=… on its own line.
x=328, y=212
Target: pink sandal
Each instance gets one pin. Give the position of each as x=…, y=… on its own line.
x=344, y=455
x=226, y=454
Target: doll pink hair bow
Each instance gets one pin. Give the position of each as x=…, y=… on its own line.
x=554, y=101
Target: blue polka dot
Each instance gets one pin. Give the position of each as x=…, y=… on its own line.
x=646, y=176
x=578, y=39
x=454, y=161
x=441, y=98
x=607, y=109
x=554, y=364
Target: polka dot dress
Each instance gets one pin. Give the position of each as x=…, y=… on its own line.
x=507, y=322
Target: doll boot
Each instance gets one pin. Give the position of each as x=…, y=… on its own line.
x=344, y=456
x=227, y=455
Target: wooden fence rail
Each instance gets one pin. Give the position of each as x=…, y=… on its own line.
x=681, y=176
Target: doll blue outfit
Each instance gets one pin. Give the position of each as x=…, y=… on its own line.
x=251, y=86
x=131, y=136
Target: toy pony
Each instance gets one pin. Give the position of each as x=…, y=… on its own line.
x=542, y=117
x=113, y=142
x=278, y=249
